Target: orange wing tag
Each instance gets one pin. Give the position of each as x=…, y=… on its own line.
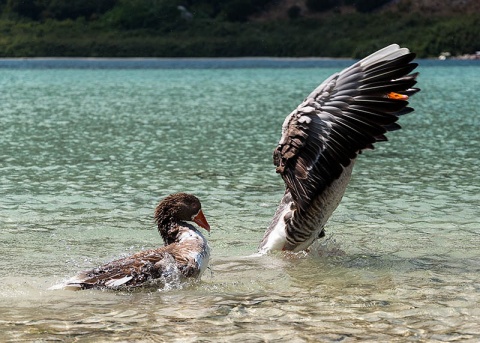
x=397, y=96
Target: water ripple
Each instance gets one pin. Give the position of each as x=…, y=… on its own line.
x=85, y=155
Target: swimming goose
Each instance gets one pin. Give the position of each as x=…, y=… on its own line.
x=322, y=137
x=185, y=253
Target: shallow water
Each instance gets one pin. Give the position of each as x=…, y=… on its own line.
x=86, y=154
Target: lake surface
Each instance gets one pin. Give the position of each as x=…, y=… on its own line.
x=88, y=150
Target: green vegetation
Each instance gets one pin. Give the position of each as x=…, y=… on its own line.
x=160, y=28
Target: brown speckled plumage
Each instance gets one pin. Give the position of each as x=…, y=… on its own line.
x=185, y=253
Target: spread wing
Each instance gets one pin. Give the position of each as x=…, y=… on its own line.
x=346, y=114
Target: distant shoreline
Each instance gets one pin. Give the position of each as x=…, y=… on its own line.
x=171, y=62
x=466, y=57
x=177, y=58
x=112, y=63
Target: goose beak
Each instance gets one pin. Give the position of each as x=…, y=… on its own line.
x=200, y=219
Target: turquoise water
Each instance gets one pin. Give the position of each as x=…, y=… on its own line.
x=86, y=154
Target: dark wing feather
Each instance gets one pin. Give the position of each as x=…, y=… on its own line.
x=345, y=115
x=133, y=270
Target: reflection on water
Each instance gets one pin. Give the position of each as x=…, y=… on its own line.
x=85, y=155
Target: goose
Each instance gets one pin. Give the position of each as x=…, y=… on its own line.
x=323, y=136
x=185, y=254
x=320, y=142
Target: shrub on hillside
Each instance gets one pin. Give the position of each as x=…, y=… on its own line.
x=321, y=5
x=59, y=9
x=369, y=5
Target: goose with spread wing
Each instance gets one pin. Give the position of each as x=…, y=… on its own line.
x=322, y=137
